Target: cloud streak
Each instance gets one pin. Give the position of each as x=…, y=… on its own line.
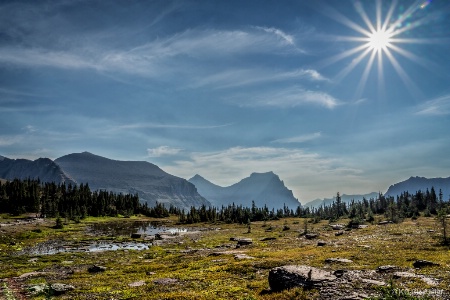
x=435, y=107
x=163, y=151
x=290, y=98
x=299, y=139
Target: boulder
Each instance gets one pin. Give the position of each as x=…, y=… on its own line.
x=338, y=260
x=424, y=263
x=339, y=233
x=244, y=242
x=311, y=236
x=291, y=276
x=268, y=239
x=321, y=243
x=61, y=288
x=242, y=256
x=136, y=235
x=387, y=269
x=337, y=226
x=165, y=281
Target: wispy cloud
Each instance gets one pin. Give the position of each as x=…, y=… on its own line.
x=162, y=151
x=435, y=107
x=6, y=140
x=299, y=139
x=292, y=97
x=288, y=38
x=244, y=77
x=174, y=126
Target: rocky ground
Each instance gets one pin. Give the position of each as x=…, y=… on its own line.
x=227, y=261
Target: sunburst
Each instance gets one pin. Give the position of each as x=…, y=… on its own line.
x=379, y=39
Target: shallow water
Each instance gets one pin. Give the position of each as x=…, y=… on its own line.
x=112, y=229
x=128, y=228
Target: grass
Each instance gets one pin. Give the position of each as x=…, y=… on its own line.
x=204, y=266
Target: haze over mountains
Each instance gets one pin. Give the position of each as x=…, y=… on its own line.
x=43, y=168
x=141, y=177
x=344, y=198
x=263, y=188
x=153, y=184
x=414, y=184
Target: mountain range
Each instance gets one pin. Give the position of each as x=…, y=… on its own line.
x=344, y=198
x=414, y=184
x=43, y=168
x=262, y=188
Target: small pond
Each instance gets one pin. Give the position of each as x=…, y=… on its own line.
x=110, y=229
x=128, y=228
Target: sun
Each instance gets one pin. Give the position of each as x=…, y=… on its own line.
x=379, y=40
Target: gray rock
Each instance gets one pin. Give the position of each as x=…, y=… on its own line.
x=339, y=233
x=373, y=282
x=291, y=276
x=386, y=269
x=311, y=236
x=397, y=275
x=337, y=226
x=243, y=256
x=321, y=243
x=338, y=260
x=61, y=288
x=137, y=283
x=268, y=239
x=136, y=235
x=424, y=263
x=165, y=281
x=245, y=241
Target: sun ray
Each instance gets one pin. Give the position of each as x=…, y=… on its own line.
x=341, y=75
x=341, y=56
x=403, y=75
x=387, y=20
x=365, y=76
x=378, y=15
x=360, y=9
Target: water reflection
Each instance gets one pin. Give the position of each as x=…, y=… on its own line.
x=128, y=228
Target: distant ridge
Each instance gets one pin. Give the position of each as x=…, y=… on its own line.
x=43, y=168
x=414, y=184
x=146, y=179
x=344, y=198
x=263, y=188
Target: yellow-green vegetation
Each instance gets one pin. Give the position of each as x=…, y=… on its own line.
x=202, y=265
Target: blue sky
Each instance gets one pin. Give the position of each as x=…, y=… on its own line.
x=227, y=88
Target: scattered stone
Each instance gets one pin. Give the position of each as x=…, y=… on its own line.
x=165, y=281
x=61, y=288
x=268, y=239
x=373, y=282
x=137, y=283
x=338, y=260
x=136, y=235
x=96, y=269
x=33, y=260
x=291, y=276
x=339, y=233
x=362, y=226
x=311, y=236
x=150, y=273
x=337, y=226
x=339, y=273
x=384, y=222
x=397, y=275
x=242, y=256
x=321, y=243
x=424, y=263
x=387, y=269
x=37, y=289
x=233, y=239
x=245, y=241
